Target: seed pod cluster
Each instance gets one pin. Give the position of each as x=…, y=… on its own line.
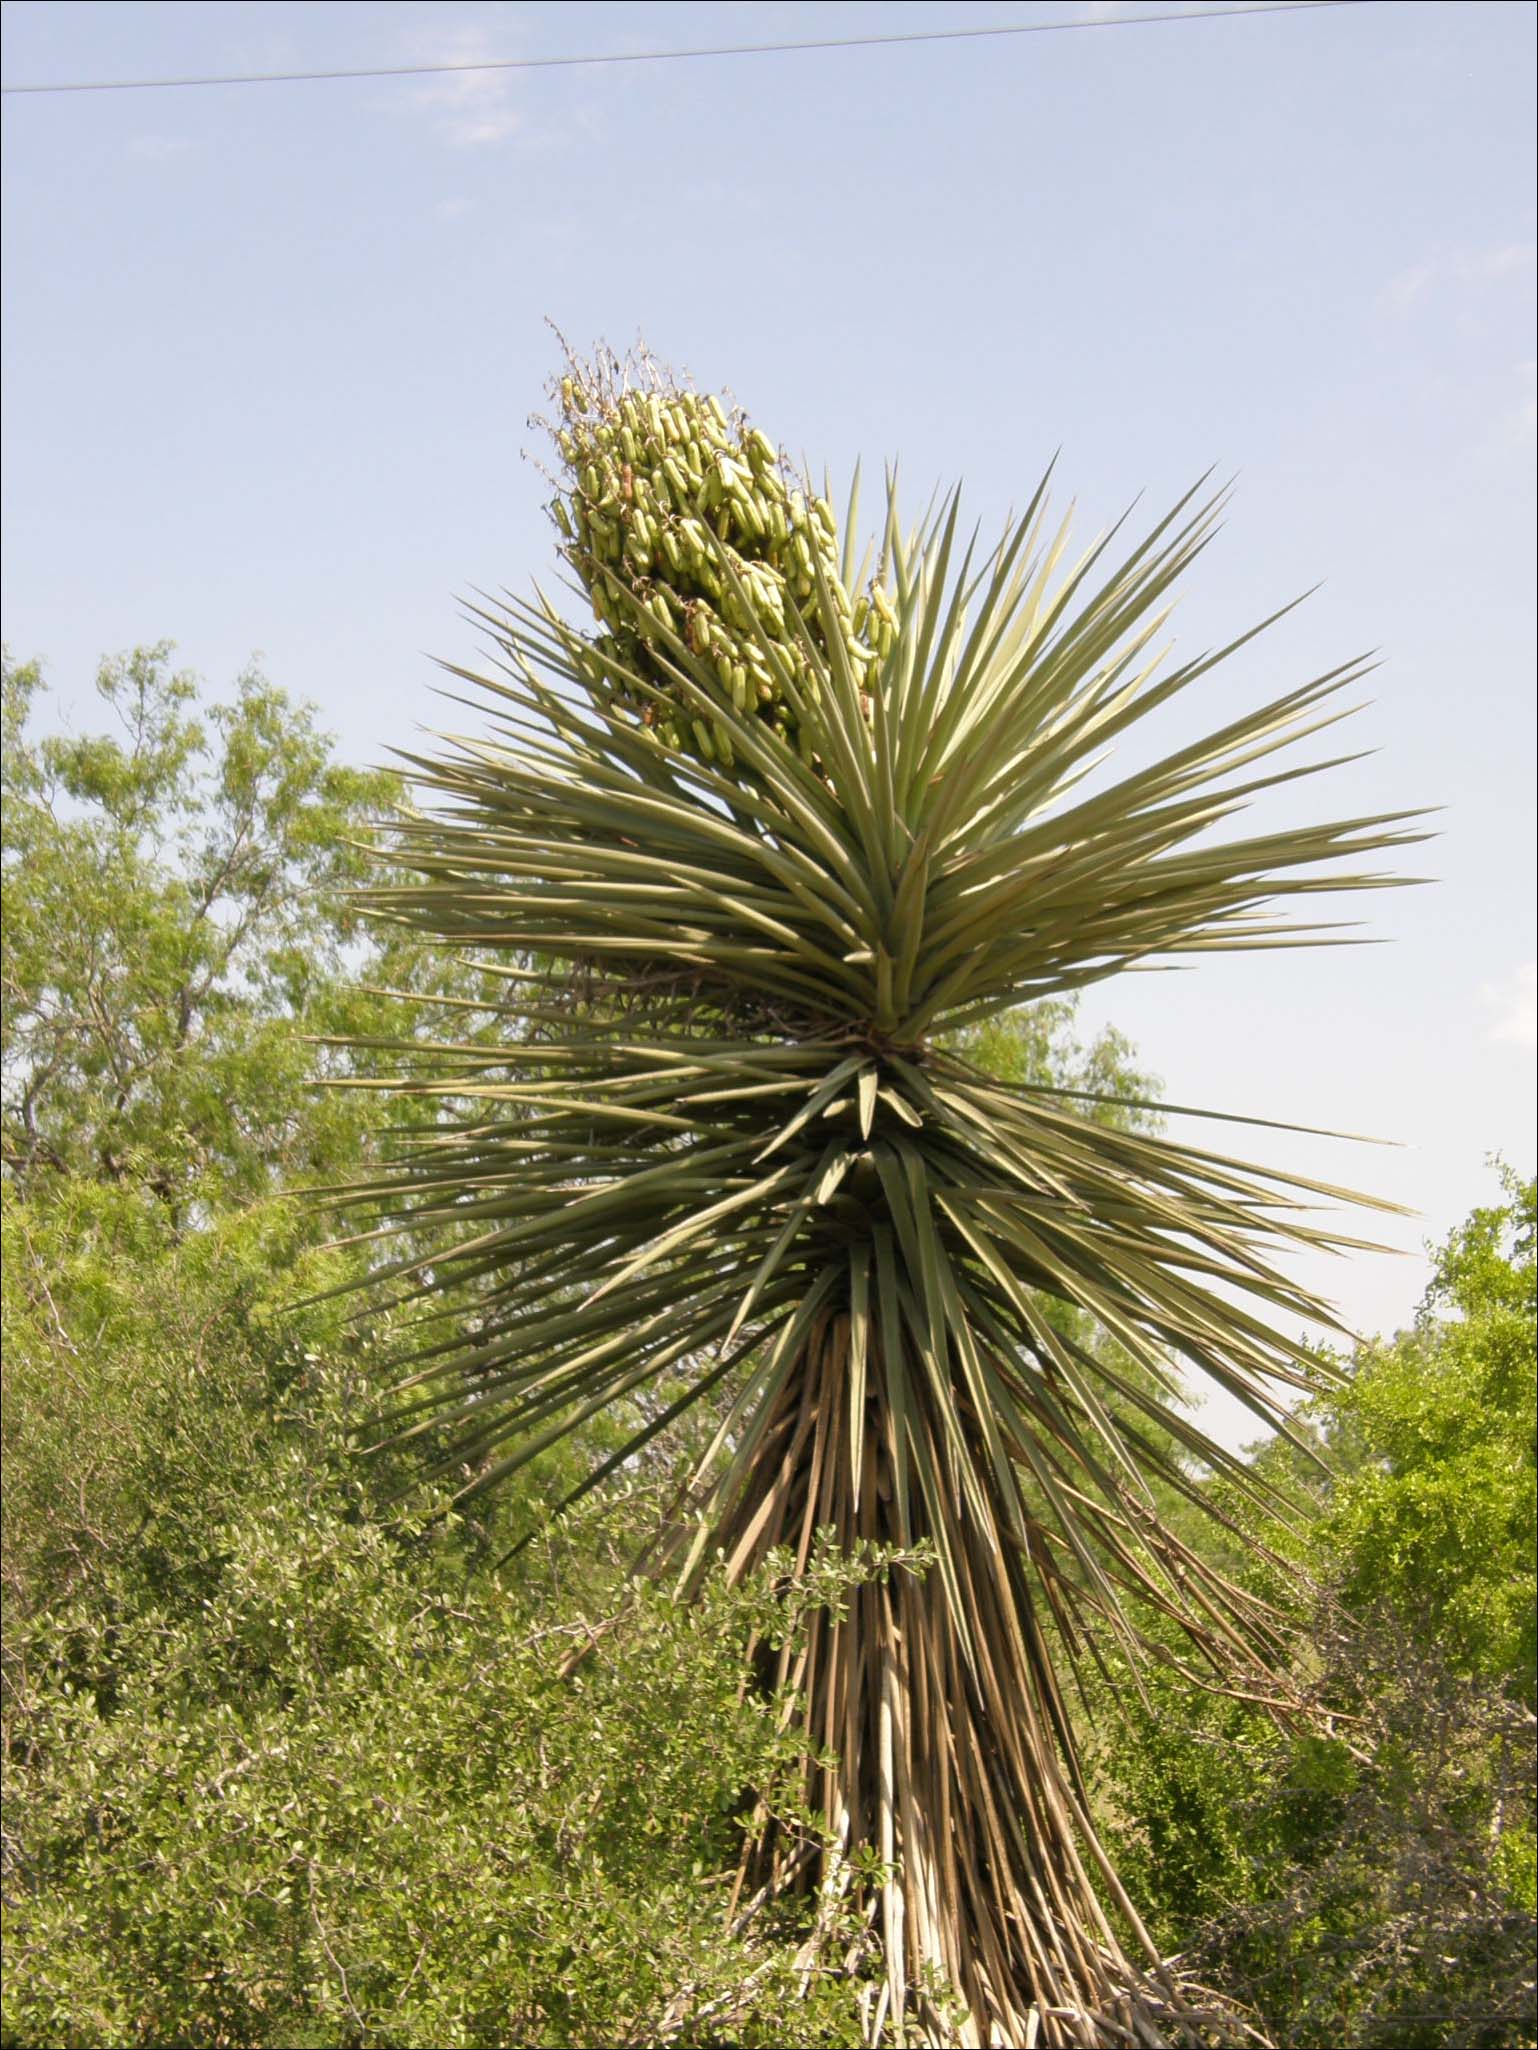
x=659, y=485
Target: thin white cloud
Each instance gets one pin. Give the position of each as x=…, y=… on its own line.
x=1401, y=293
x=1457, y=267
x=470, y=109
x=1501, y=263
x=1513, y=1005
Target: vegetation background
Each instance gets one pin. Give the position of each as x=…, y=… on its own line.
x=290, y=1761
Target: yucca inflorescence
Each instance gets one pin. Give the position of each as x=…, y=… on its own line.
x=779, y=848
x=685, y=523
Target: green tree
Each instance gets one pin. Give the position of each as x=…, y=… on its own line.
x=173, y=932
x=1365, y=1877
x=787, y=832
x=1435, y=1516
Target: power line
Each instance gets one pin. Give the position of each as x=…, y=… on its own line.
x=945, y=35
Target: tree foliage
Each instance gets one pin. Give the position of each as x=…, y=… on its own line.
x=1435, y=1516
x=278, y=1770
x=175, y=939
x=291, y=1759
x=1368, y=1880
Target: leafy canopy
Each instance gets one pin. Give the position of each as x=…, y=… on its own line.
x=171, y=935
x=1368, y=1878
x=1436, y=1515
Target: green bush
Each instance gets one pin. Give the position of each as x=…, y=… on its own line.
x=281, y=1771
x=1363, y=1874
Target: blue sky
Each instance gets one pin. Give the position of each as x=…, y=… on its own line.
x=269, y=354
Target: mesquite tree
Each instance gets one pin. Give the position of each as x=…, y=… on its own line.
x=746, y=853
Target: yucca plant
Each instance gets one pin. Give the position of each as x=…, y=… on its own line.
x=747, y=856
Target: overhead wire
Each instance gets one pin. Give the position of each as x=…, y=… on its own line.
x=616, y=57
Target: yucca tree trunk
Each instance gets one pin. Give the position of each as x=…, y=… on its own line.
x=952, y=1759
